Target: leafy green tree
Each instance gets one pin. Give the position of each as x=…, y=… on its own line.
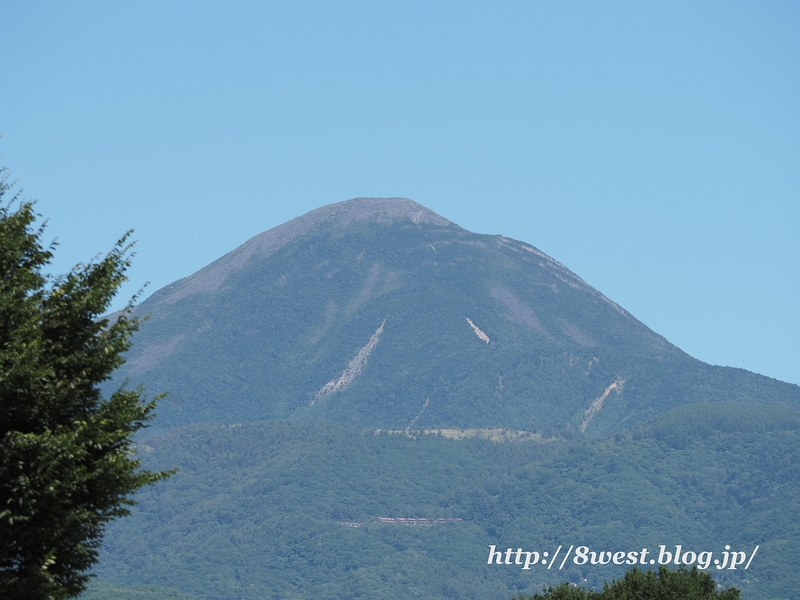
x=67, y=465
x=681, y=584
x=565, y=591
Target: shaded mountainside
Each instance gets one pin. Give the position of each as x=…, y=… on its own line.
x=381, y=313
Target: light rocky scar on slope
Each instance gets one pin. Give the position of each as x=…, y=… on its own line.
x=353, y=369
x=597, y=404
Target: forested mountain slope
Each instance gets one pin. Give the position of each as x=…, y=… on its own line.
x=381, y=313
x=307, y=510
x=363, y=401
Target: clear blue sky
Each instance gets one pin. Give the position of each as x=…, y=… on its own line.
x=653, y=148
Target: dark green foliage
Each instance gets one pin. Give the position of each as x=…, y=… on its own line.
x=65, y=463
x=256, y=509
x=565, y=591
x=680, y=584
x=690, y=423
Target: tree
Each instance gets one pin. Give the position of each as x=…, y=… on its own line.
x=565, y=591
x=67, y=463
x=681, y=584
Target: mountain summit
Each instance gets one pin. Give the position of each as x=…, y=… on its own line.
x=340, y=214
x=380, y=312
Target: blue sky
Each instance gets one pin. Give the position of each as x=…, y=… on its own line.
x=652, y=148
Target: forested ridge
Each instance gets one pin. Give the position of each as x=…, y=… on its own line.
x=257, y=509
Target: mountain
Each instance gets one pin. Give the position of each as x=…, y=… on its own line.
x=381, y=313
x=367, y=399
x=307, y=509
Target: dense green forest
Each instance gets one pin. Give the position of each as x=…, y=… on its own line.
x=267, y=510
x=663, y=584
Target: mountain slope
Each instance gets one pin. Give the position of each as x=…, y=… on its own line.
x=381, y=313
x=282, y=359
x=309, y=509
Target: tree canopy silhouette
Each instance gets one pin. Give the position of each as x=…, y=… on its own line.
x=666, y=584
x=67, y=464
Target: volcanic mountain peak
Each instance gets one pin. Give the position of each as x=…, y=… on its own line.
x=382, y=308
x=379, y=209
x=268, y=242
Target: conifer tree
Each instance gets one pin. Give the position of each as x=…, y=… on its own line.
x=67, y=464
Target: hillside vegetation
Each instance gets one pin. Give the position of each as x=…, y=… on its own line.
x=283, y=510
